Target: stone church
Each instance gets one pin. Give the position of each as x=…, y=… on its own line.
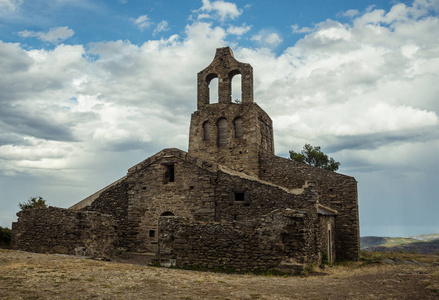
x=228, y=202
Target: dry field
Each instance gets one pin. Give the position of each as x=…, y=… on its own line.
x=26, y=275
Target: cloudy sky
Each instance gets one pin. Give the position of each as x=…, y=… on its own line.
x=88, y=88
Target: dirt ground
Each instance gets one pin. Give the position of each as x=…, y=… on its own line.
x=26, y=275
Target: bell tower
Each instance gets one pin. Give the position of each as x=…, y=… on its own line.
x=231, y=134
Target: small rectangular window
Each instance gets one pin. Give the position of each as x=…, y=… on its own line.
x=169, y=175
x=152, y=233
x=239, y=196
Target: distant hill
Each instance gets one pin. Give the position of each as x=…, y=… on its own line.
x=423, y=244
x=425, y=237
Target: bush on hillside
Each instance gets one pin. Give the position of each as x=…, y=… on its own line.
x=5, y=237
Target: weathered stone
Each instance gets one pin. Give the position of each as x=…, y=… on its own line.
x=58, y=230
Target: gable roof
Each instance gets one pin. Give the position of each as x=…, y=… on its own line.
x=170, y=153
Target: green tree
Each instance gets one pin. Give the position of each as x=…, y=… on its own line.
x=315, y=157
x=33, y=202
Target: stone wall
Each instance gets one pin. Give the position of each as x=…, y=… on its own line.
x=241, y=153
x=199, y=192
x=58, y=230
x=337, y=191
x=191, y=194
x=283, y=240
x=258, y=198
x=114, y=201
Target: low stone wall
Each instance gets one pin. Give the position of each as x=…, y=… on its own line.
x=284, y=240
x=58, y=230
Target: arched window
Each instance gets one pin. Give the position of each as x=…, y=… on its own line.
x=236, y=92
x=206, y=131
x=238, y=127
x=167, y=214
x=222, y=133
x=212, y=83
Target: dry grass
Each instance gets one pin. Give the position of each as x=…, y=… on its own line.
x=39, y=276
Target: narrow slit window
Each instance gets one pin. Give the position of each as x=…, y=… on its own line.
x=238, y=127
x=206, y=131
x=222, y=133
x=169, y=175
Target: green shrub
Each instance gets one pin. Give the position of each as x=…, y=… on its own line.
x=325, y=258
x=33, y=202
x=5, y=237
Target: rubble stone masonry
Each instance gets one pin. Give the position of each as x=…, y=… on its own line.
x=59, y=230
x=335, y=190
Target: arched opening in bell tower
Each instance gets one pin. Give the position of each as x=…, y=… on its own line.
x=235, y=78
x=212, y=83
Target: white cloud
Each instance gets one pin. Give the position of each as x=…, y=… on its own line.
x=296, y=29
x=221, y=9
x=267, y=39
x=273, y=39
x=66, y=105
x=162, y=26
x=364, y=85
x=238, y=30
x=350, y=13
x=203, y=16
x=142, y=22
x=365, y=91
x=10, y=5
x=54, y=35
x=339, y=80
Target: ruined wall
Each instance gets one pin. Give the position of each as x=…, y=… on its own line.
x=58, y=230
x=114, y=201
x=240, y=153
x=283, y=240
x=337, y=191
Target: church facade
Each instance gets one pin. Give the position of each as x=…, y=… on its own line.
x=228, y=202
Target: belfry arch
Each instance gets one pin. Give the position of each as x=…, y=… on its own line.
x=212, y=83
x=224, y=67
x=236, y=86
